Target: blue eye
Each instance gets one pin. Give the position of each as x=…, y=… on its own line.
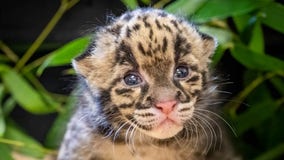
x=181, y=72
x=132, y=79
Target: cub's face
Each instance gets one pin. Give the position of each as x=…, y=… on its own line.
x=147, y=70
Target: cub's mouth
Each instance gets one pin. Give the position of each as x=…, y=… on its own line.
x=165, y=123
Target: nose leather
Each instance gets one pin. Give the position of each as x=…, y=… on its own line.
x=167, y=106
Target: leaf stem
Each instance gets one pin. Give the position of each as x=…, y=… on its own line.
x=22, y=144
x=161, y=3
x=65, y=5
x=11, y=142
x=232, y=106
x=9, y=52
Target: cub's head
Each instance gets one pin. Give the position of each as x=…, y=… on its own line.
x=147, y=70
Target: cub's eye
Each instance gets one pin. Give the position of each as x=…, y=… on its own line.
x=132, y=79
x=181, y=72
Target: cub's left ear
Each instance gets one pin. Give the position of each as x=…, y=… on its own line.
x=209, y=45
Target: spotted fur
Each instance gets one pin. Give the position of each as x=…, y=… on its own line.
x=142, y=59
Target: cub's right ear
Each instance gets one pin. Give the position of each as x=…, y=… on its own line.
x=83, y=65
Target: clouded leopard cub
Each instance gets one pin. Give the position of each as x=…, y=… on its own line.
x=146, y=93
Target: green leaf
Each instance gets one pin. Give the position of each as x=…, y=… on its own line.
x=2, y=123
x=25, y=95
x=65, y=54
x=8, y=106
x=28, y=146
x=147, y=2
x=5, y=152
x=256, y=61
x=218, y=54
x=251, y=32
x=4, y=59
x=2, y=93
x=273, y=153
x=185, y=7
x=260, y=112
x=131, y=4
x=223, y=36
x=273, y=16
x=278, y=83
x=220, y=9
x=256, y=43
x=56, y=133
x=241, y=21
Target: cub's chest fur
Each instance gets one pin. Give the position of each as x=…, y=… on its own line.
x=146, y=92
x=108, y=150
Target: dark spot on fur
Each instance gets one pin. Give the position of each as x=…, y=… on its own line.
x=175, y=24
x=125, y=105
x=184, y=109
x=128, y=32
x=194, y=67
x=205, y=36
x=146, y=24
x=145, y=114
x=123, y=91
x=150, y=46
x=204, y=78
x=193, y=79
x=165, y=45
x=127, y=56
x=136, y=27
x=162, y=14
x=196, y=93
x=104, y=98
x=178, y=43
x=127, y=17
x=159, y=26
x=151, y=34
x=168, y=28
x=115, y=30
x=181, y=94
x=181, y=47
x=141, y=49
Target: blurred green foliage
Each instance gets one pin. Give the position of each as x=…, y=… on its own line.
x=238, y=26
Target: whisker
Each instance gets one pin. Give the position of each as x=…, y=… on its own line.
x=209, y=141
x=220, y=117
x=206, y=120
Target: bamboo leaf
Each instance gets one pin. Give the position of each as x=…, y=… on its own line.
x=260, y=112
x=56, y=133
x=131, y=4
x=212, y=10
x=222, y=35
x=185, y=7
x=2, y=123
x=273, y=153
x=256, y=61
x=8, y=106
x=65, y=54
x=256, y=43
x=5, y=152
x=241, y=22
x=278, y=83
x=25, y=95
x=273, y=16
x=28, y=146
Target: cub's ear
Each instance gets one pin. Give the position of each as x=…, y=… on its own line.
x=209, y=45
x=83, y=65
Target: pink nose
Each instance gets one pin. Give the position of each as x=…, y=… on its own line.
x=166, y=107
